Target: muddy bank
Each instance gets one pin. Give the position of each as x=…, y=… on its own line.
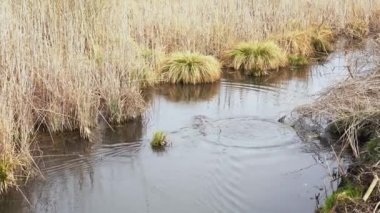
x=347, y=118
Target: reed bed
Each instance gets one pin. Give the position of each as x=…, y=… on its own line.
x=66, y=64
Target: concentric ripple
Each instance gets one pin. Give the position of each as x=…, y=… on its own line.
x=244, y=132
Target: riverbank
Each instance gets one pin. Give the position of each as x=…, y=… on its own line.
x=348, y=115
x=68, y=64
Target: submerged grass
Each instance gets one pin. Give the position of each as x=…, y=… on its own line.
x=190, y=68
x=256, y=58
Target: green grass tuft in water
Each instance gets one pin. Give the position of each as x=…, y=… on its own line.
x=159, y=140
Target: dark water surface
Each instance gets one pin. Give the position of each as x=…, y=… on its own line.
x=228, y=153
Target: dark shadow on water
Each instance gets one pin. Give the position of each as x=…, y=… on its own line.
x=132, y=131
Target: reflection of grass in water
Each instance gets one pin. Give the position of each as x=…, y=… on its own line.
x=299, y=73
x=189, y=93
x=130, y=131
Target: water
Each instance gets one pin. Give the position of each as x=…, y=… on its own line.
x=227, y=153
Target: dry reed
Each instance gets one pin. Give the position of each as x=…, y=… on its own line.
x=353, y=107
x=65, y=63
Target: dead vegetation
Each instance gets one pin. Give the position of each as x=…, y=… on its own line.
x=64, y=64
x=350, y=112
x=353, y=109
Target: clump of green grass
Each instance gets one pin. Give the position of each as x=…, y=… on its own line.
x=322, y=39
x=190, y=68
x=159, y=140
x=257, y=58
x=348, y=193
x=298, y=60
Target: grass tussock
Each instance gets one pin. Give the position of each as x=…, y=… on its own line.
x=256, y=58
x=322, y=39
x=190, y=68
x=357, y=29
x=159, y=140
x=298, y=43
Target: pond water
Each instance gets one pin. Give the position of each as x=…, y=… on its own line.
x=227, y=153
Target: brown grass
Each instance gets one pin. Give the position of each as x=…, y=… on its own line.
x=353, y=107
x=64, y=64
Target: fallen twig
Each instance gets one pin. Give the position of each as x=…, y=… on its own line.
x=371, y=188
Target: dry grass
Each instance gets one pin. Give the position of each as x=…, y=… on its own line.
x=322, y=39
x=211, y=27
x=353, y=107
x=297, y=43
x=357, y=29
x=190, y=68
x=65, y=63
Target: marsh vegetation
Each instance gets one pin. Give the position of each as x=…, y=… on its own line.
x=66, y=64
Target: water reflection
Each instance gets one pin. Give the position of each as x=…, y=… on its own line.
x=131, y=131
x=189, y=93
x=276, y=78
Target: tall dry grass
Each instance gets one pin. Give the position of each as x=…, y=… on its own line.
x=65, y=64
x=211, y=27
